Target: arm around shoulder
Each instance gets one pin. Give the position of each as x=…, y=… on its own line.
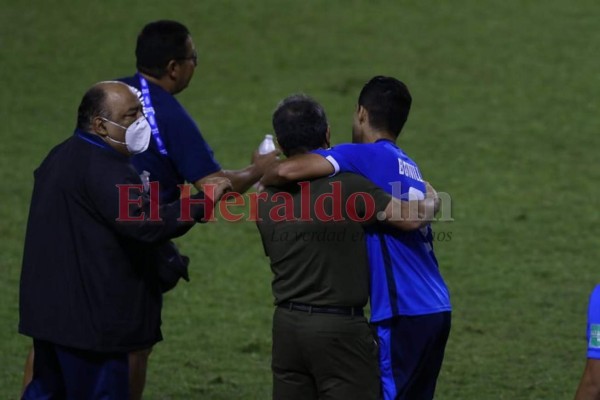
x=296, y=168
x=413, y=214
x=409, y=215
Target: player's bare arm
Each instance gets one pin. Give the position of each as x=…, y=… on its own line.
x=409, y=215
x=295, y=168
x=243, y=179
x=404, y=215
x=435, y=201
x=220, y=186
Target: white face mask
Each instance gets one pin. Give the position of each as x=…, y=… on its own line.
x=137, y=135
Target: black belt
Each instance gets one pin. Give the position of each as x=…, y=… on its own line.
x=322, y=309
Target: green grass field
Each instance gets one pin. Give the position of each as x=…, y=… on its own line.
x=505, y=119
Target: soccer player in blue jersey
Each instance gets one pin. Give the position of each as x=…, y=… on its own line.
x=410, y=304
x=589, y=387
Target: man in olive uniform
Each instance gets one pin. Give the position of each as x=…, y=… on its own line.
x=313, y=235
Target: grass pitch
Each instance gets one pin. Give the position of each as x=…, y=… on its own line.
x=505, y=120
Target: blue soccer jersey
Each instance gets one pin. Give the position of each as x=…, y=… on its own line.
x=593, y=325
x=405, y=278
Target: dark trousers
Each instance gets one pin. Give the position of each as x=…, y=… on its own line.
x=411, y=351
x=61, y=373
x=323, y=356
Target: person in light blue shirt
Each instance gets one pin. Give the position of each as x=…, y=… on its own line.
x=410, y=303
x=589, y=387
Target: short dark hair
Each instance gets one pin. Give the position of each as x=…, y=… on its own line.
x=158, y=43
x=387, y=100
x=300, y=124
x=92, y=104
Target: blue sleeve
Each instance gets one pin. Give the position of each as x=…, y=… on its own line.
x=343, y=157
x=192, y=156
x=593, y=326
